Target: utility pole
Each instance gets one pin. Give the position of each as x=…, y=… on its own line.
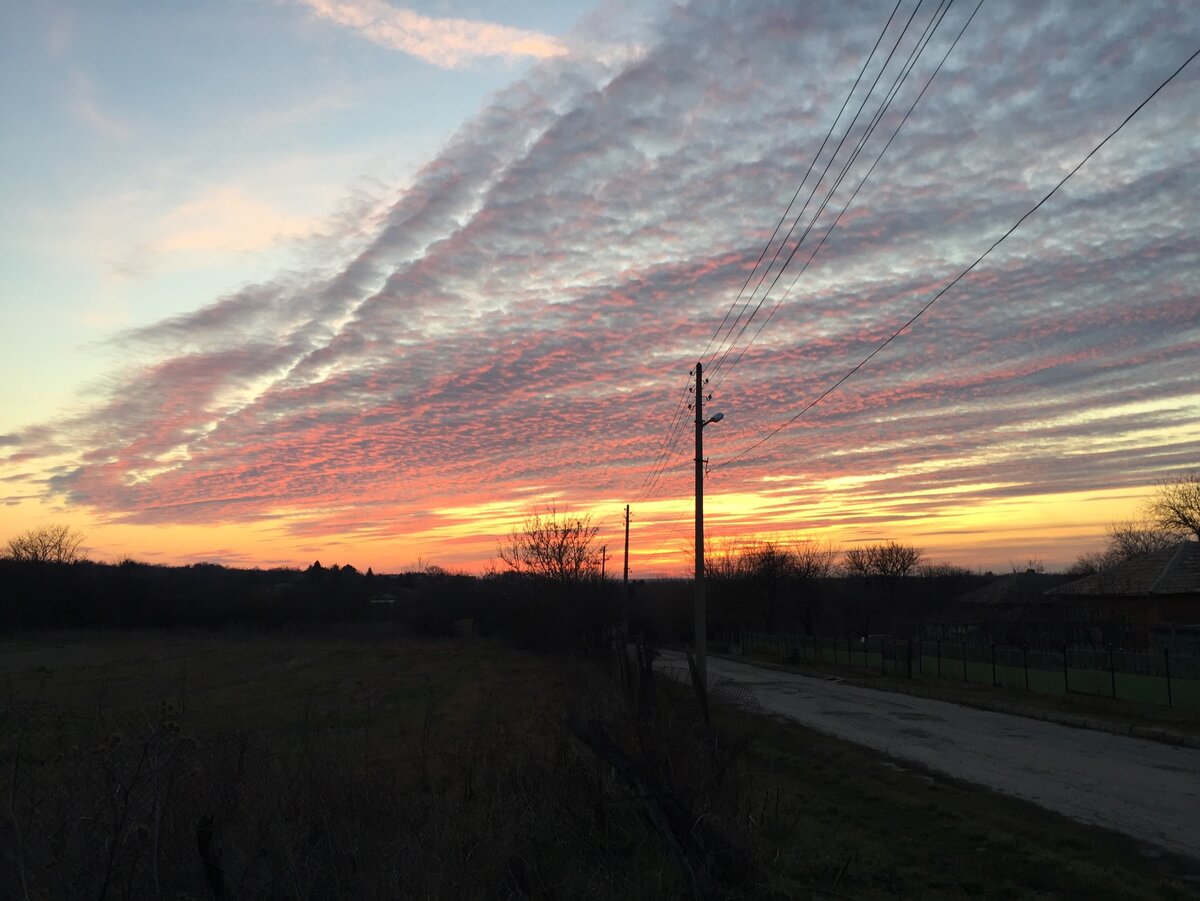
x=603, y=560
x=701, y=621
x=625, y=578
x=701, y=624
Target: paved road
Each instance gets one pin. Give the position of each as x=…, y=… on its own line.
x=1144, y=789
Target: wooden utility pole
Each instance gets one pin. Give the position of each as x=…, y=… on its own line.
x=603, y=560
x=701, y=625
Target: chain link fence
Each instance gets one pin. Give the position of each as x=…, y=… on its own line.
x=1163, y=678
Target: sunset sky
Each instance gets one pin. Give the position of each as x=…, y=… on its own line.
x=367, y=282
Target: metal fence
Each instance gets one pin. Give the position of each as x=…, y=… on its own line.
x=1171, y=680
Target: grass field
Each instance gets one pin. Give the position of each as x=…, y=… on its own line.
x=362, y=764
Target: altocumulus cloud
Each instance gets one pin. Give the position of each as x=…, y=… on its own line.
x=526, y=312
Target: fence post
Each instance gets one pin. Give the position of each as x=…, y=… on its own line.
x=966, y=674
x=1066, y=675
x=1025, y=659
x=939, y=653
x=993, y=664
x=1167, y=661
x=1112, y=671
x=910, y=658
x=883, y=655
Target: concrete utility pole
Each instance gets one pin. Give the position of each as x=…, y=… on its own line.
x=701, y=623
x=701, y=616
x=625, y=577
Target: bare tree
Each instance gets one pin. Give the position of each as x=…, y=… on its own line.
x=724, y=561
x=1132, y=538
x=942, y=571
x=857, y=561
x=553, y=546
x=1126, y=539
x=47, y=544
x=1088, y=563
x=767, y=565
x=812, y=559
x=894, y=560
x=1176, y=506
x=891, y=560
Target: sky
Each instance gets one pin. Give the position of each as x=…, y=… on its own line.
x=368, y=283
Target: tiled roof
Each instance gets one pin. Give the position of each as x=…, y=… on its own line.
x=1171, y=571
x=1014, y=589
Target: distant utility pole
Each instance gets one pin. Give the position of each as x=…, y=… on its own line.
x=603, y=559
x=625, y=578
x=701, y=624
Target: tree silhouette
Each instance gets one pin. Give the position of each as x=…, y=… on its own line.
x=1176, y=506
x=47, y=544
x=891, y=560
x=555, y=547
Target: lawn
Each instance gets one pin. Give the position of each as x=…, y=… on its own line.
x=364, y=764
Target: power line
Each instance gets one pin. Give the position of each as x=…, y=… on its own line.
x=829, y=230
x=664, y=458
x=914, y=55
x=667, y=445
x=722, y=348
x=800, y=186
x=962, y=274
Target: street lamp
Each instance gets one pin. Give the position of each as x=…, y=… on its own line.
x=701, y=620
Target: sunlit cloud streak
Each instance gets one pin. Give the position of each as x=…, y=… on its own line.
x=526, y=312
x=444, y=42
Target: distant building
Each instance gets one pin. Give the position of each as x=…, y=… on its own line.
x=1012, y=609
x=1158, y=589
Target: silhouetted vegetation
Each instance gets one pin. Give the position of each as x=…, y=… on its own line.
x=1169, y=516
x=46, y=544
x=531, y=610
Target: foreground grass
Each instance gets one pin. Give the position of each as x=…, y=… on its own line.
x=853, y=819
x=367, y=765
x=358, y=765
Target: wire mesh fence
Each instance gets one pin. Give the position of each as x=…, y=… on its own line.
x=1163, y=678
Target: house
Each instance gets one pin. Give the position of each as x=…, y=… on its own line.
x=1158, y=589
x=1011, y=609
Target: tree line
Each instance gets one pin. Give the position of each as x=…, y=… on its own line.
x=546, y=590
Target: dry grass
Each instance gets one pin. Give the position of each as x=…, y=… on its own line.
x=263, y=767
x=365, y=765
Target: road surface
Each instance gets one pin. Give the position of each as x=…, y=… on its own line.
x=1143, y=789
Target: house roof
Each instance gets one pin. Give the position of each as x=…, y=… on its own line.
x=1013, y=590
x=1171, y=571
